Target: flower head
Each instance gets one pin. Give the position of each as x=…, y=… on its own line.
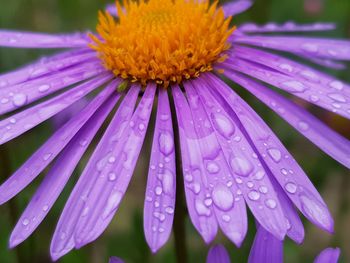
x=230, y=159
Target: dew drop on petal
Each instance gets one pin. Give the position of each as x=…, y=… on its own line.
x=275, y=154
x=294, y=86
x=223, y=125
x=241, y=166
x=291, y=188
x=270, y=203
x=337, y=97
x=166, y=143
x=336, y=85
x=212, y=167
x=222, y=197
x=19, y=99
x=254, y=195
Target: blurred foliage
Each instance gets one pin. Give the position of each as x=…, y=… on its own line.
x=124, y=236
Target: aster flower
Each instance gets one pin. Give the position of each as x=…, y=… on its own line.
x=268, y=249
x=175, y=53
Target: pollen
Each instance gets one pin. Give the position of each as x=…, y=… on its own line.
x=164, y=41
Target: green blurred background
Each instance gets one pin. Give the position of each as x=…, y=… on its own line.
x=124, y=237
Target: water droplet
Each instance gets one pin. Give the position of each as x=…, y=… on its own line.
x=19, y=99
x=112, y=203
x=111, y=159
x=294, y=86
x=167, y=179
x=263, y=189
x=45, y=208
x=309, y=47
x=303, y=126
x=284, y=171
x=270, y=203
x=275, y=154
x=159, y=216
x=25, y=222
x=169, y=210
x=241, y=166
x=158, y=190
x=223, y=125
x=112, y=176
x=222, y=197
x=47, y=156
x=250, y=184
x=213, y=167
x=309, y=75
x=259, y=175
x=314, y=98
x=291, y=187
x=201, y=209
x=336, y=85
x=239, y=181
x=286, y=67
x=337, y=97
x=166, y=143
x=142, y=127
x=208, y=202
x=226, y=218
x=44, y=88
x=254, y=195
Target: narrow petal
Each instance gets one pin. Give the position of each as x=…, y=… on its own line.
x=287, y=27
x=316, y=47
x=226, y=199
x=196, y=185
x=45, y=66
x=46, y=153
x=218, y=254
x=246, y=168
x=266, y=248
x=283, y=166
x=59, y=174
x=21, y=122
x=236, y=7
x=324, y=62
x=20, y=95
x=161, y=184
x=63, y=239
x=317, y=132
x=329, y=255
x=104, y=197
x=333, y=100
x=115, y=260
x=19, y=39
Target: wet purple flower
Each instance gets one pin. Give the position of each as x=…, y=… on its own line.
x=230, y=158
x=218, y=254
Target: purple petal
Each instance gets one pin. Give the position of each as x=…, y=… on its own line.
x=283, y=166
x=329, y=255
x=229, y=206
x=266, y=248
x=287, y=27
x=196, y=186
x=56, y=179
x=104, y=197
x=46, y=153
x=321, y=135
x=115, y=260
x=112, y=9
x=246, y=169
x=161, y=184
x=19, y=39
x=236, y=7
x=316, y=47
x=20, y=95
x=75, y=204
x=324, y=62
x=45, y=66
x=334, y=100
x=218, y=254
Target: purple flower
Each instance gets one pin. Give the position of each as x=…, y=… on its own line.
x=231, y=159
x=268, y=249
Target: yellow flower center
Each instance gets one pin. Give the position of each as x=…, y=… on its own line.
x=162, y=40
